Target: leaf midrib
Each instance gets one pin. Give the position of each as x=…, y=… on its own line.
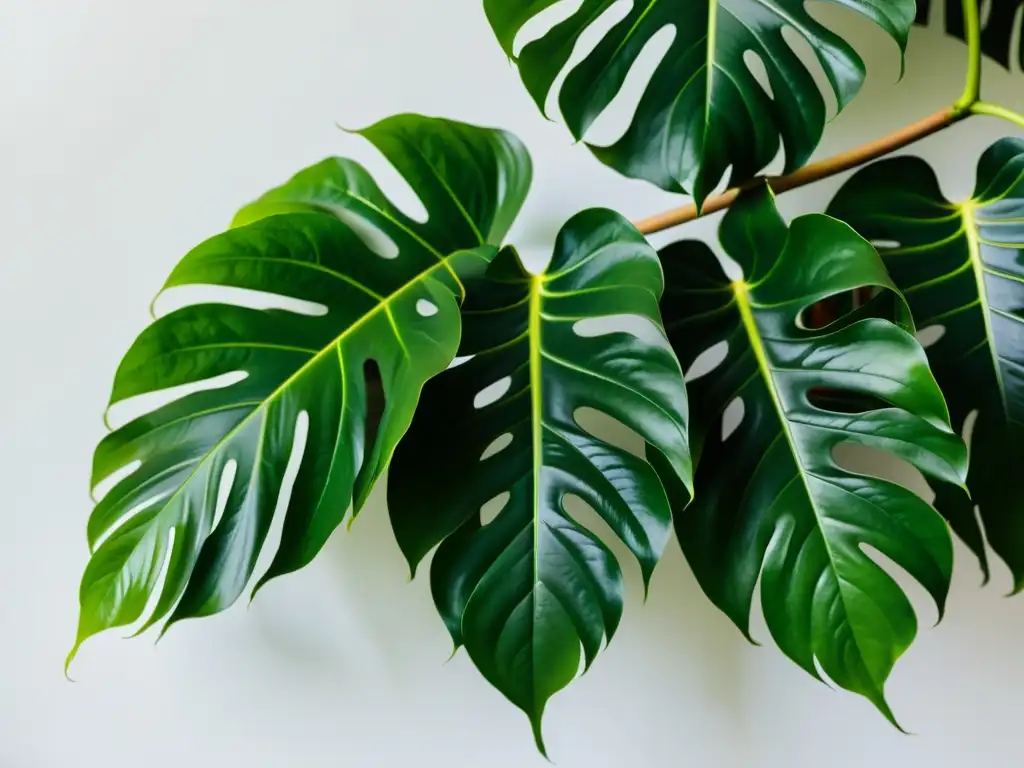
x=536, y=425
x=709, y=65
x=978, y=269
x=744, y=304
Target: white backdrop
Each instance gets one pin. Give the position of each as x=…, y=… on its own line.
x=131, y=130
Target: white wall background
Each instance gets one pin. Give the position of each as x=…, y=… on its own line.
x=131, y=130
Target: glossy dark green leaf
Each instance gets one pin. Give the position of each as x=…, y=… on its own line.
x=961, y=267
x=772, y=501
x=390, y=315
x=703, y=110
x=526, y=591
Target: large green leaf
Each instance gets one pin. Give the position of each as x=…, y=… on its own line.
x=772, y=499
x=961, y=267
x=527, y=590
x=703, y=110
x=398, y=316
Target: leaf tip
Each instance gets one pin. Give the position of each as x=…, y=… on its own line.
x=877, y=697
x=357, y=506
x=69, y=659
x=538, y=735
x=413, y=567
x=648, y=564
x=362, y=493
x=1018, y=585
x=259, y=586
x=744, y=627
x=895, y=723
x=163, y=630
x=149, y=623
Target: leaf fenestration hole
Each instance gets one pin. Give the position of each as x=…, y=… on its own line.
x=830, y=309
x=396, y=188
x=616, y=118
x=886, y=245
x=459, y=361
x=732, y=417
x=920, y=600
x=498, y=445
x=544, y=22
x=121, y=521
x=588, y=518
x=227, y=480
x=492, y=393
x=609, y=430
x=426, y=308
x=844, y=401
x=968, y=430
x=584, y=46
x=492, y=508
x=864, y=460
x=931, y=335
x=102, y=488
x=757, y=69
x=804, y=51
x=123, y=411
x=158, y=587
x=638, y=326
x=376, y=400
x=986, y=11
x=291, y=471
x=181, y=296
x=707, y=361
x=372, y=236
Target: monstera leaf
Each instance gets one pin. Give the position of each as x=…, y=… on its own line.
x=526, y=590
x=397, y=316
x=703, y=110
x=960, y=265
x=772, y=500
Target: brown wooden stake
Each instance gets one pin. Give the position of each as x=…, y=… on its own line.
x=813, y=172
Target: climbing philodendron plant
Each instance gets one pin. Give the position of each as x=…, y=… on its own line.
x=327, y=336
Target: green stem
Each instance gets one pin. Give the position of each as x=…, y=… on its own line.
x=995, y=110
x=972, y=27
